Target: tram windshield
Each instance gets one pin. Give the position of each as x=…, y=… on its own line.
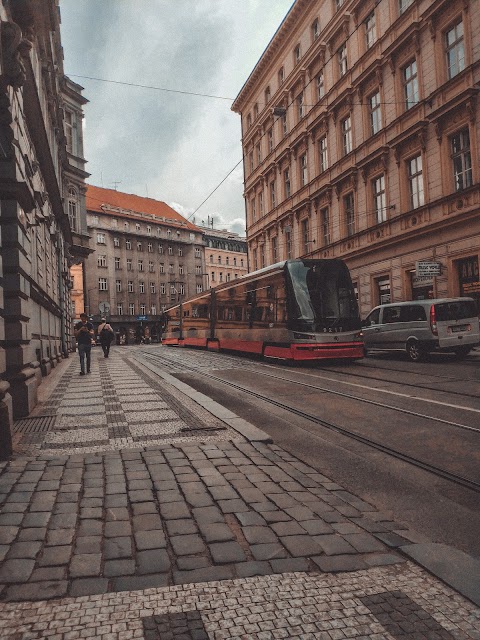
x=323, y=297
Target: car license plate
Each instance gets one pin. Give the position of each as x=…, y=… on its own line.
x=458, y=328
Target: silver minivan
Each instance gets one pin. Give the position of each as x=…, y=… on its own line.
x=421, y=326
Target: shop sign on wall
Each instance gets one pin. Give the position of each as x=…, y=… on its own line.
x=424, y=268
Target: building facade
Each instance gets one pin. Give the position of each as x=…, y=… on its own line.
x=225, y=256
x=37, y=245
x=146, y=257
x=361, y=141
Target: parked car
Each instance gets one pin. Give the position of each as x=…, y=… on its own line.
x=421, y=326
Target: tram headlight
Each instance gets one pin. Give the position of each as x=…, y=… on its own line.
x=303, y=336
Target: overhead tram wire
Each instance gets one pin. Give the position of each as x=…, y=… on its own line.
x=231, y=100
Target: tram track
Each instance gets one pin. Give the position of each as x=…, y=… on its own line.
x=422, y=464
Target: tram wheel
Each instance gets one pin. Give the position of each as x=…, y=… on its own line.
x=415, y=351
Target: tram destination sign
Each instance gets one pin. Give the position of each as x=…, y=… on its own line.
x=425, y=268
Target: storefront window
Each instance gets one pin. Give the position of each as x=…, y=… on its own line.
x=468, y=279
x=384, y=295
x=422, y=287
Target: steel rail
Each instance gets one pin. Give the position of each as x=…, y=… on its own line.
x=438, y=471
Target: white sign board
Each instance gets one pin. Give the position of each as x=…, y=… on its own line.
x=424, y=268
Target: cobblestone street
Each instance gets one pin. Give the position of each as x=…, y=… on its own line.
x=129, y=510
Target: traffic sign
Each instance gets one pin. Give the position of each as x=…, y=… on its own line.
x=142, y=317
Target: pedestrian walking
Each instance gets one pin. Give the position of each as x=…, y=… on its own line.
x=84, y=333
x=106, y=335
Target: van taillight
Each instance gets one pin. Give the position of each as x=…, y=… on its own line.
x=433, y=321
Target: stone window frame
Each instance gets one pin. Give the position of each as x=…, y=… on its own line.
x=379, y=215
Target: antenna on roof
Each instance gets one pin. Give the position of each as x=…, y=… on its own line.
x=116, y=183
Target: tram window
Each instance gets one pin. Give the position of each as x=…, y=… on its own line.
x=238, y=314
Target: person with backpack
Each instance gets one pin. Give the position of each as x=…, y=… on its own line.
x=106, y=335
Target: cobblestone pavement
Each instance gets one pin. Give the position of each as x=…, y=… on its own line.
x=130, y=511
x=398, y=602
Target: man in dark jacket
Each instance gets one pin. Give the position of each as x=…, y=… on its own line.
x=106, y=335
x=84, y=333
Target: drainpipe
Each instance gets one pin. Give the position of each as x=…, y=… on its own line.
x=61, y=287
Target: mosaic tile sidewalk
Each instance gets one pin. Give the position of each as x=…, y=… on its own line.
x=388, y=603
x=131, y=512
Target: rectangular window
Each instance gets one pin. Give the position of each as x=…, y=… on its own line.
x=171, y=268
x=160, y=249
x=199, y=288
x=325, y=224
x=338, y=4
x=118, y=286
x=455, y=50
x=347, y=142
x=140, y=265
x=163, y=289
x=181, y=270
x=342, y=60
x=288, y=244
x=262, y=256
x=149, y=247
x=415, y=181
x=131, y=309
x=119, y=309
x=102, y=284
x=137, y=227
x=260, y=203
x=116, y=242
x=255, y=260
x=273, y=198
x=151, y=267
x=141, y=287
x=253, y=209
x=270, y=139
x=143, y=309
x=315, y=29
x=379, y=199
x=320, y=85
x=349, y=208
x=180, y=251
x=198, y=270
x=101, y=261
x=130, y=286
x=128, y=244
x=274, y=250
x=323, y=153
x=153, y=310
x=286, y=182
x=149, y=230
x=410, y=84
x=462, y=160
x=259, y=153
x=129, y=264
x=101, y=238
x=159, y=232
x=303, y=170
x=281, y=76
x=284, y=125
x=297, y=54
x=181, y=289
x=300, y=106
x=250, y=160
x=375, y=107
x=370, y=30
x=197, y=253
x=117, y=264
x=305, y=235
x=170, y=251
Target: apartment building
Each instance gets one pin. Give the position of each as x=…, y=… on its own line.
x=225, y=255
x=360, y=139
x=146, y=257
x=36, y=238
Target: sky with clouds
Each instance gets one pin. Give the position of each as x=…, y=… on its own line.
x=161, y=144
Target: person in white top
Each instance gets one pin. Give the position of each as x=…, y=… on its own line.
x=106, y=335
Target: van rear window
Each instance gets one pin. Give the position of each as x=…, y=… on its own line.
x=459, y=310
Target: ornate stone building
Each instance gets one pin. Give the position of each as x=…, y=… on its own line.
x=37, y=244
x=225, y=256
x=147, y=257
x=361, y=142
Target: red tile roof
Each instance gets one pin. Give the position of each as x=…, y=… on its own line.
x=117, y=204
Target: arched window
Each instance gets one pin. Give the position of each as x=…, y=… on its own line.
x=73, y=208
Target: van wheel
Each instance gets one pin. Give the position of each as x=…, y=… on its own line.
x=462, y=352
x=415, y=352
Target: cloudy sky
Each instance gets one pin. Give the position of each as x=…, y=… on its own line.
x=166, y=145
